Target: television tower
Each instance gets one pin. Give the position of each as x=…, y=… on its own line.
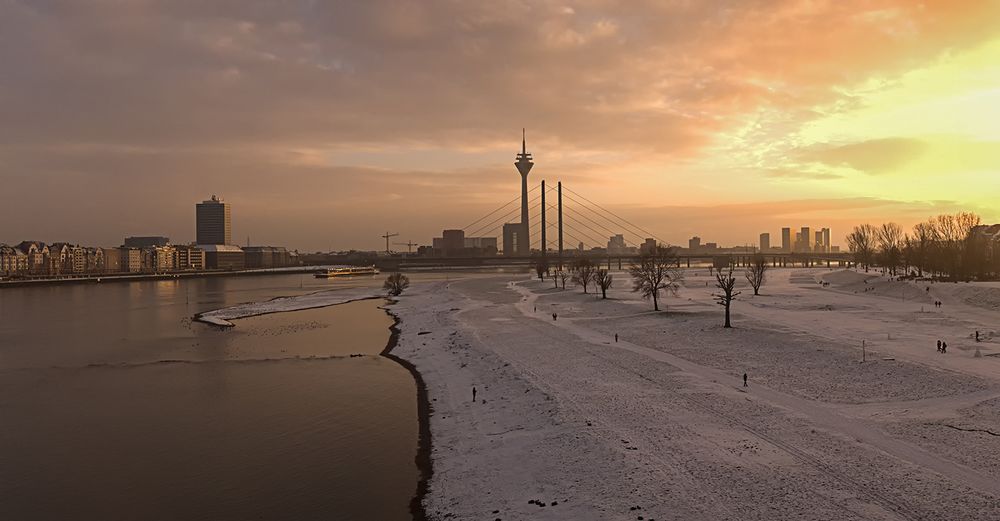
x=524, y=165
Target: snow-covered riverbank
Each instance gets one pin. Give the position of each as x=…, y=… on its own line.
x=658, y=424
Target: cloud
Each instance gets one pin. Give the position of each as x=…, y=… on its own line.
x=789, y=173
x=167, y=101
x=875, y=156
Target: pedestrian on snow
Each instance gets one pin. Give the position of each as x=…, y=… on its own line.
x=473, y=394
x=977, y=336
x=939, y=346
x=555, y=316
x=944, y=347
x=616, y=337
x=745, y=380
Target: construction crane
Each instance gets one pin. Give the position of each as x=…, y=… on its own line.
x=409, y=245
x=388, y=236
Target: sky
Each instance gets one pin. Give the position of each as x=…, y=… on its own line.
x=327, y=123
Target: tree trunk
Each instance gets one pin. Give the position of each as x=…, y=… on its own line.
x=604, y=293
x=656, y=305
x=727, y=316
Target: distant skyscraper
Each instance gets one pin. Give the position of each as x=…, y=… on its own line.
x=827, y=247
x=786, y=239
x=765, y=241
x=806, y=237
x=694, y=243
x=524, y=165
x=214, y=225
x=512, y=239
x=616, y=244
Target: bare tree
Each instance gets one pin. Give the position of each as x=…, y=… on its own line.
x=757, y=272
x=603, y=280
x=919, y=246
x=656, y=271
x=583, y=272
x=861, y=241
x=725, y=282
x=563, y=276
x=395, y=284
x=541, y=267
x=890, y=242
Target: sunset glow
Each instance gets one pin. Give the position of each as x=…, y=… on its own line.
x=689, y=113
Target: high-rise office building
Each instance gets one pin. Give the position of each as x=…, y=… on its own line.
x=616, y=244
x=214, y=224
x=818, y=243
x=827, y=247
x=694, y=243
x=786, y=239
x=513, y=239
x=765, y=242
x=805, y=238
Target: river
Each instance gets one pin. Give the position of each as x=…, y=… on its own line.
x=115, y=405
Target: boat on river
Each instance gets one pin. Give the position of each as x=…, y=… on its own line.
x=346, y=271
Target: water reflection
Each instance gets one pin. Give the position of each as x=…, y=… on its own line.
x=178, y=420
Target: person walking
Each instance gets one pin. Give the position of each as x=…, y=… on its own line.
x=473, y=394
x=939, y=346
x=616, y=337
x=977, y=335
x=944, y=347
x=745, y=380
x=555, y=316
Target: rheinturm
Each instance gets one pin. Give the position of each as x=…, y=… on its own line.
x=524, y=165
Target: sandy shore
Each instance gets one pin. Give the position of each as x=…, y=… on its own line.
x=569, y=424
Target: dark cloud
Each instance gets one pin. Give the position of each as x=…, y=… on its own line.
x=140, y=108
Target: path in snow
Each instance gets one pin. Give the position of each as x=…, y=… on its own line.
x=602, y=428
x=823, y=417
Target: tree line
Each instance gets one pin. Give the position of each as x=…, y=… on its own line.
x=945, y=246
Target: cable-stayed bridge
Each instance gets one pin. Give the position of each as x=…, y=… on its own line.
x=561, y=216
x=562, y=220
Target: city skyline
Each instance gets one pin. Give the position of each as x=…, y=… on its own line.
x=687, y=118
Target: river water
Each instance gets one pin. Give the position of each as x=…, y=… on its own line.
x=114, y=405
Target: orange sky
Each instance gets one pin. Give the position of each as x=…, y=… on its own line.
x=327, y=123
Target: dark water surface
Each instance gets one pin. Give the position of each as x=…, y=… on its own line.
x=114, y=405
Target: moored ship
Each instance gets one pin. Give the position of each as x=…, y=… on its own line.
x=346, y=271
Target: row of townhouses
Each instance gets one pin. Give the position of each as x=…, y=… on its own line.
x=33, y=258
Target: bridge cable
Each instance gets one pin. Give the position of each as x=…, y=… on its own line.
x=626, y=228
x=613, y=214
x=514, y=200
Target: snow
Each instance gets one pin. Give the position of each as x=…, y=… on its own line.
x=223, y=317
x=659, y=420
